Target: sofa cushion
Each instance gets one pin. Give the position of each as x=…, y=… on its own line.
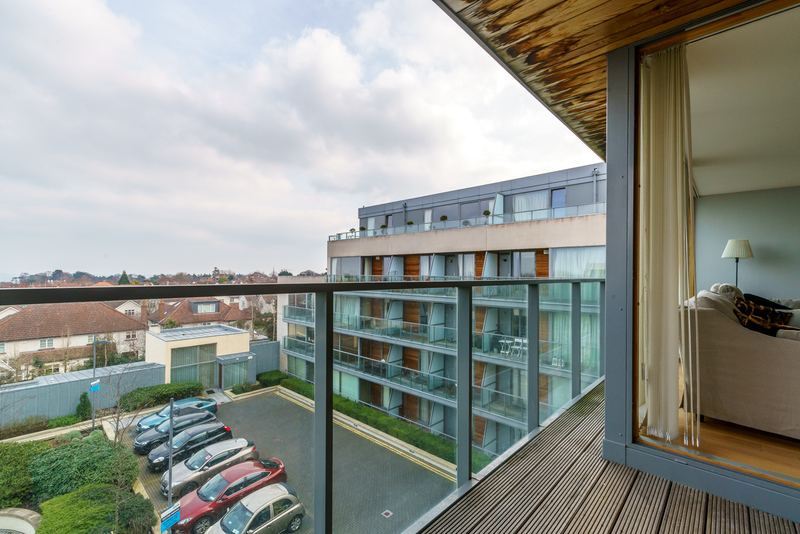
x=793, y=304
x=727, y=291
x=760, y=318
x=794, y=320
x=789, y=334
x=707, y=299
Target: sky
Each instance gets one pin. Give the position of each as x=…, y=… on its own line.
x=161, y=136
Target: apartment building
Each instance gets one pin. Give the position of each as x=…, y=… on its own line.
x=396, y=351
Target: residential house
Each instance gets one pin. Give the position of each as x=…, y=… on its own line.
x=59, y=337
x=198, y=312
x=396, y=351
x=216, y=355
x=693, y=107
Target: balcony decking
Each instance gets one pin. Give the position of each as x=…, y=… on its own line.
x=559, y=483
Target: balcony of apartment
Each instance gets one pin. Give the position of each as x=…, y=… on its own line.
x=483, y=220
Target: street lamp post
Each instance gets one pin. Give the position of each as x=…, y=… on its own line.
x=95, y=342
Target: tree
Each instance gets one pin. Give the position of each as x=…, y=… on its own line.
x=169, y=323
x=223, y=279
x=84, y=408
x=124, y=280
x=285, y=272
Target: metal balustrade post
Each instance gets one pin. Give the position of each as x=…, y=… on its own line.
x=464, y=386
x=533, y=356
x=601, y=350
x=323, y=412
x=575, y=320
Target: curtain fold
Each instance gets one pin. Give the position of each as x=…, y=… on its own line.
x=666, y=271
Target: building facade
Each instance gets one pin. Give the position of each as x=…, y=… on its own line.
x=396, y=351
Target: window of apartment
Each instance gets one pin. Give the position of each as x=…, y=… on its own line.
x=558, y=198
x=46, y=343
x=206, y=307
x=470, y=210
x=450, y=210
x=530, y=206
x=527, y=264
x=130, y=313
x=90, y=339
x=130, y=335
x=2, y=347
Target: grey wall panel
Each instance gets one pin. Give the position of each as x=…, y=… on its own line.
x=770, y=220
x=580, y=194
x=267, y=355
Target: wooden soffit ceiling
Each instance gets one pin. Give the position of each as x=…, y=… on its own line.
x=557, y=48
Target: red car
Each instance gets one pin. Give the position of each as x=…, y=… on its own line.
x=207, y=504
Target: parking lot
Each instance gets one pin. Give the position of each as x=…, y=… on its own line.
x=376, y=488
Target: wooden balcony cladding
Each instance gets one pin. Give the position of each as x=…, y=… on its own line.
x=375, y=394
x=480, y=371
x=411, y=312
x=479, y=430
x=411, y=358
x=542, y=264
x=480, y=318
x=374, y=349
x=411, y=265
x=557, y=48
x=480, y=259
x=410, y=407
x=376, y=308
x=377, y=266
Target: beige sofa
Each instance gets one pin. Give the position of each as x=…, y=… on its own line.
x=746, y=377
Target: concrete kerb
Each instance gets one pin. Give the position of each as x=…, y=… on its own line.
x=234, y=397
x=20, y=520
x=430, y=459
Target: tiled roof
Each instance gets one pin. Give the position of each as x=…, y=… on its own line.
x=56, y=320
x=182, y=313
x=56, y=355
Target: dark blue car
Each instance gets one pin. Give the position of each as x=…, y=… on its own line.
x=182, y=407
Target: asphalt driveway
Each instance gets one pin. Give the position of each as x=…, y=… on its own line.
x=376, y=488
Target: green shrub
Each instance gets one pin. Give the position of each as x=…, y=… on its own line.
x=96, y=435
x=436, y=445
x=68, y=437
x=238, y=389
x=15, y=479
x=34, y=423
x=69, y=467
x=154, y=395
x=245, y=388
x=84, y=409
x=270, y=378
x=91, y=510
x=64, y=420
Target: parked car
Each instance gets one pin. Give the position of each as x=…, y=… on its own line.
x=182, y=407
x=188, y=475
x=275, y=508
x=187, y=443
x=203, y=507
x=150, y=439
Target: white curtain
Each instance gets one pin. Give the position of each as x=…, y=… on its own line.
x=347, y=305
x=666, y=277
x=525, y=203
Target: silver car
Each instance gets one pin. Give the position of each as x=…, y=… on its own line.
x=269, y=510
x=207, y=462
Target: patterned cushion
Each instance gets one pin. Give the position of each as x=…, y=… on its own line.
x=760, y=318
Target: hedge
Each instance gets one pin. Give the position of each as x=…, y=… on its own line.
x=91, y=510
x=34, y=423
x=64, y=420
x=270, y=378
x=238, y=389
x=15, y=480
x=79, y=463
x=406, y=432
x=154, y=395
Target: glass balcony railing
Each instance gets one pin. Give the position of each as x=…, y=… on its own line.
x=483, y=220
x=418, y=386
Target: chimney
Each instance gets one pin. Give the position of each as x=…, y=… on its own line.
x=161, y=312
x=144, y=311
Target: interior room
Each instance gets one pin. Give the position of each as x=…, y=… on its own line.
x=743, y=139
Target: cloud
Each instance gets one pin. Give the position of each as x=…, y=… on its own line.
x=111, y=138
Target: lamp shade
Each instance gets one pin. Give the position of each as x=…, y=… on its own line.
x=737, y=248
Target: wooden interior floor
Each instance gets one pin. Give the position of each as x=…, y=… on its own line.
x=559, y=483
x=753, y=451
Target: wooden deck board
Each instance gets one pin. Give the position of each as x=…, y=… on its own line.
x=559, y=483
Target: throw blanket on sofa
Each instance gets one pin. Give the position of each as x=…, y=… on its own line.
x=761, y=318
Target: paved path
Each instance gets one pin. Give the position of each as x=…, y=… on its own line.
x=369, y=477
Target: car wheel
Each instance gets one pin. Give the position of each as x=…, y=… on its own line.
x=188, y=488
x=203, y=524
x=295, y=523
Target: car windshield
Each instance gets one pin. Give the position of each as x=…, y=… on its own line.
x=236, y=520
x=198, y=459
x=211, y=489
x=163, y=427
x=180, y=439
x=163, y=412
